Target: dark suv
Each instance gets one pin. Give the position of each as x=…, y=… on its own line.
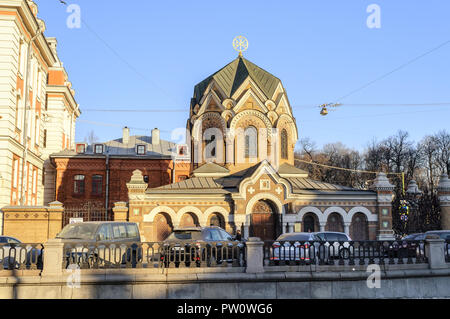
x=202, y=246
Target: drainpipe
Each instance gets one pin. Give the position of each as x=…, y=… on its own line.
x=107, y=185
x=25, y=113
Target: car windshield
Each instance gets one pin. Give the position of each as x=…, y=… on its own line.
x=185, y=235
x=294, y=237
x=78, y=231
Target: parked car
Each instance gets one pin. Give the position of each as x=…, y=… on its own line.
x=340, y=246
x=294, y=247
x=101, y=242
x=196, y=244
x=13, y=254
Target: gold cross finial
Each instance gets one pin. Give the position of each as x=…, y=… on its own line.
x=240, y=44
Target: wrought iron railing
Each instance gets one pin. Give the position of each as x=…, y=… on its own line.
x=21, y=256
x=344, y=252
x=154, y=255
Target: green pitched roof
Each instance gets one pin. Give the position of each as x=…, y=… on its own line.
x=231, y=77
x=211, y=168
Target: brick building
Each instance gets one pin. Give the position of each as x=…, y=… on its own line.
x=93, y=177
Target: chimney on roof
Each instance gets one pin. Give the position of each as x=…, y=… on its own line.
x=126, y=135
x=155, y=136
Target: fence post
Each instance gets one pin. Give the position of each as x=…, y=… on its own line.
x=434, y=249
x=55, y=218
x=120, y=212
x=255, y=255
x=53, y=257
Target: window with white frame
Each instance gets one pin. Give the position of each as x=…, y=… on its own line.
x=98, y=148
x=140, y=149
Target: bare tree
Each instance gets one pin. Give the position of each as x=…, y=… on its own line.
x=91, y=138
x=429, y=151
x=443, y=146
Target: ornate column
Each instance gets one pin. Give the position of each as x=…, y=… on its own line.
x=284, y=229
x=384, y=190
x=443, y=191
x=229, y=147
x=322, y=226
x=290, y=227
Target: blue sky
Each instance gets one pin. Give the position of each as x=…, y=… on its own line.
x=148, y=55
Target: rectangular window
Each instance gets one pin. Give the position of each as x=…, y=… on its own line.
x=34, y=181
x=97, y=184
x=17, y=112
x=45, y=139
x=140, y=150
x=132, y=230
x=119, y=231
x=105, y=233
x=98, y=148
x=78, y=186
x=15, y=181
x=37, y=131
x=81, y=148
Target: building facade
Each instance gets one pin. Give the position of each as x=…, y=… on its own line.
x=95, y=176
x=242, y=133
x=37, y=105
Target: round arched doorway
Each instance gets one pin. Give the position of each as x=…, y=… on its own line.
x=264, y=221
x=359, y=229
x=335, y=223
x=163, y=226
x=310, y=223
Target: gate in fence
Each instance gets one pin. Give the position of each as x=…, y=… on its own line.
x=88, y=212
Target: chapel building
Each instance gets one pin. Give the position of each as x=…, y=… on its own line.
x=241, y=135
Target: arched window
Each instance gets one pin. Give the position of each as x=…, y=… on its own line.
x=251, y=142
x=284, y=144
x=211, y=141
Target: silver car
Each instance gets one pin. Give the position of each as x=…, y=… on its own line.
x=294, y=247
x=340, y=248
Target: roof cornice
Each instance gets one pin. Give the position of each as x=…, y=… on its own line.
x=32, y=25
x=67, y=93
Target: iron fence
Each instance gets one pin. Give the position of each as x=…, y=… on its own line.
x=21, y=256
x=344, y=252
x=155, y=255
x=88, y=212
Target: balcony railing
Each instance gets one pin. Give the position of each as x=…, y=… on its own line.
x=154, y=255
x=278, y=253
x=21, y=256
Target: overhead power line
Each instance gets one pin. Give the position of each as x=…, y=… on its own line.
x=393, y=71
x=344, y=169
